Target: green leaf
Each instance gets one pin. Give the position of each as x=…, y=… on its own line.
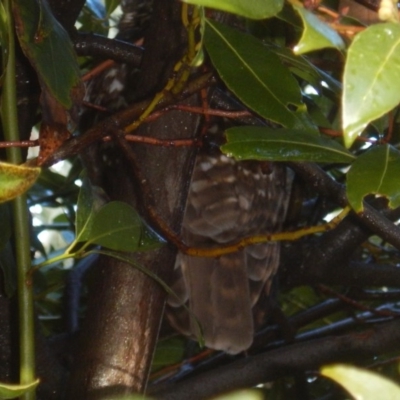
x=249, y=69
x=111, y=5
x=303, y=68
x=371, y=78
x=256, y=143
x=316, y=34
x=254, y=9
x=376, y=171
x=15, y=180
x=362, y=384
x=169, y=351
x=85, y=209
x=116, y=226
x=49, y=49
x=149, y=239
x=13, y=391
x=90, y=200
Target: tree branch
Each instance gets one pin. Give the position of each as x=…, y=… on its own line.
x=286, y=361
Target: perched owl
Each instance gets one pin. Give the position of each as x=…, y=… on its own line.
x=228, y=200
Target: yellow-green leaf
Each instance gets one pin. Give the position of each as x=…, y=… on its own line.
x=13, y=391
x=362, y=384
x=376, y=171
x=371, y=82
x=316, y=34
x=15, y=180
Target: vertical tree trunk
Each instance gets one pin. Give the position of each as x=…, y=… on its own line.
x=125, y=306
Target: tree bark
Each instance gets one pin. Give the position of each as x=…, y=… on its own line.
x=125, y=306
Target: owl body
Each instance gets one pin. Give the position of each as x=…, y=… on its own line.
x=228, y=200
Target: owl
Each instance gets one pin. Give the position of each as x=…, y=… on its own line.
x=228, y=200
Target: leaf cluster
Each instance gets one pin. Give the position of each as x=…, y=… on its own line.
x=323, y=103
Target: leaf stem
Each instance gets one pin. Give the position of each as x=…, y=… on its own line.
x=61, y=257
x=21, y=222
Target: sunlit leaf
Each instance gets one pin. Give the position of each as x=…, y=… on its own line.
x=303, y=68
x=371, y=83
x=376, y=171
x=15, y=180
x=255, y=9
x=257, y=143
x=362, y=384
x=316, y=34
x=13, y=391
x=250, y=71
x=49, y=49
x=116, y=226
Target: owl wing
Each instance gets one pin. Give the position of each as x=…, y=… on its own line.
x=227, y=201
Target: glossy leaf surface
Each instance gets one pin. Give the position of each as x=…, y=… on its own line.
x=255, y=143
x=371, y=82
x=362, y=384
x=316, y=34
x=250, y=71
x=49, y=49
x=377, y=171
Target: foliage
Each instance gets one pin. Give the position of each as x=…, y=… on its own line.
x=282, y=62
x=362, y=384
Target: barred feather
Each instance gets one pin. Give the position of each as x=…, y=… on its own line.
x=228, y=200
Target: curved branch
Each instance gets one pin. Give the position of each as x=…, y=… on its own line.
x=90, y=44
x=119, y=120
x=374, y=220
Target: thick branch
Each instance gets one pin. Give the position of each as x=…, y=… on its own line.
x=292, y=359
x=125, y=306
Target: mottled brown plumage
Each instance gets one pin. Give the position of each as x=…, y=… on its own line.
x=228, y=200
